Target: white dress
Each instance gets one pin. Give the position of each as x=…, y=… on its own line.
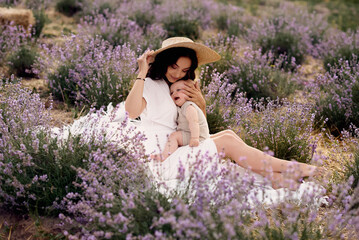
x=158, y=121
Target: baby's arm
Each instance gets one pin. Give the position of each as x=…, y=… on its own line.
x=192, y=118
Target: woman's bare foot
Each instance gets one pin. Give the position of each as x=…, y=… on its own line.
x=314, y=171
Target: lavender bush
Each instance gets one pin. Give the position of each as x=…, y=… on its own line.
x=118, y=198
x=188, y=11
x=11, y=39
x=120, y=30
x=280, y=125
x=352, y=169
x=9, y=3
x=21, y=61
x=257, y=79
x=36, y=169
x=88, y=71
x=284, y=128
x=250, y=70
x=282, y=36
x=340, y=47
x=68, y=7
x=228, y=48
x=314, y=24
x=220, y=111
x=180, y=25
x=231, y=19
x=110, y=209
x=337, y=102
x=96, y=7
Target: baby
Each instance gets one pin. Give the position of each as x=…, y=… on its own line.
x=192, y=124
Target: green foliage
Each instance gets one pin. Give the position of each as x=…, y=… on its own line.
x=216, y=121
x=227, y=48
x=68, y=7
x=259, y=81
x=283, y=130
x=64, y=88
x=352, y=169
x=146, y=211
x=345, y=53
x=344, y=14
x=20, y=62
x=337, y=103
x=283, y=44
x=355, y=97
x=8, y=3
x=143, y=19
x=179, y=25
x=41, y=19
x=229, y=23
x=105, y=7
x=306, y=231
x=331, y=114
x=48, y=157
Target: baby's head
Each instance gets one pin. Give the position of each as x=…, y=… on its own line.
x=177, y=92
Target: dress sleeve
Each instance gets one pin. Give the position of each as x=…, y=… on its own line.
x=185, y=105
x=146, y=90
x=160, y=107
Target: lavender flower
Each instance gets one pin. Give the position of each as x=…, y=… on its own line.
x=89, y=71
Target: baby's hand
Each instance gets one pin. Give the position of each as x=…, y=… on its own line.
x=194, y=142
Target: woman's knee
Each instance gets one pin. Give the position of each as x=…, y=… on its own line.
x=224, y=141
x=229, y=141
x=229, y=131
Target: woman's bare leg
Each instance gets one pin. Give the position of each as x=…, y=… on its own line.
x=248, y=157
x=221, y=133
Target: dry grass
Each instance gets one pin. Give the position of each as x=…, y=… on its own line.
x=57, y=26
x=23, y=17
x=20, y=227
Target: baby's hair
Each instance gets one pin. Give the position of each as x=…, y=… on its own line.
x=179, y=81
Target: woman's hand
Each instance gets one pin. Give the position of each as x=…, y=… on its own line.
x=194, y=94
x=144, y=63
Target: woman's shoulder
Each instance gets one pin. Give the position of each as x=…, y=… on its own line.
x=148, y=79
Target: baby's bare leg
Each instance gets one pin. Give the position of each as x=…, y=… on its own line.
x=174, y=141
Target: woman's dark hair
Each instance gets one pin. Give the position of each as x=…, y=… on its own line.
x=170, y=56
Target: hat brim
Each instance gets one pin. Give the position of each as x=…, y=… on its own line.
x=204, y=54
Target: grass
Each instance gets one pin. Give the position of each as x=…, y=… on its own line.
x=343, y=14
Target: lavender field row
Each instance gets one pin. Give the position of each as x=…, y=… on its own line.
x=287, y=84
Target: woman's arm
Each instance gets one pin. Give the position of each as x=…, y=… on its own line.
x=135, y=103
x=194, y=94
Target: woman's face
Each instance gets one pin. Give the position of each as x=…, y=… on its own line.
x=179, y=69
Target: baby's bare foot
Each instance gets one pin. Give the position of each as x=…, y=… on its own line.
x=158, y=157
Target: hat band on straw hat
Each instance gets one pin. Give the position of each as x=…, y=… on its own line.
x=204, y=53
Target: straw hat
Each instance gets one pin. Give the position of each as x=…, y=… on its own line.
x=204, y=53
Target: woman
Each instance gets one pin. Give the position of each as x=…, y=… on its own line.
x=149, y=98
